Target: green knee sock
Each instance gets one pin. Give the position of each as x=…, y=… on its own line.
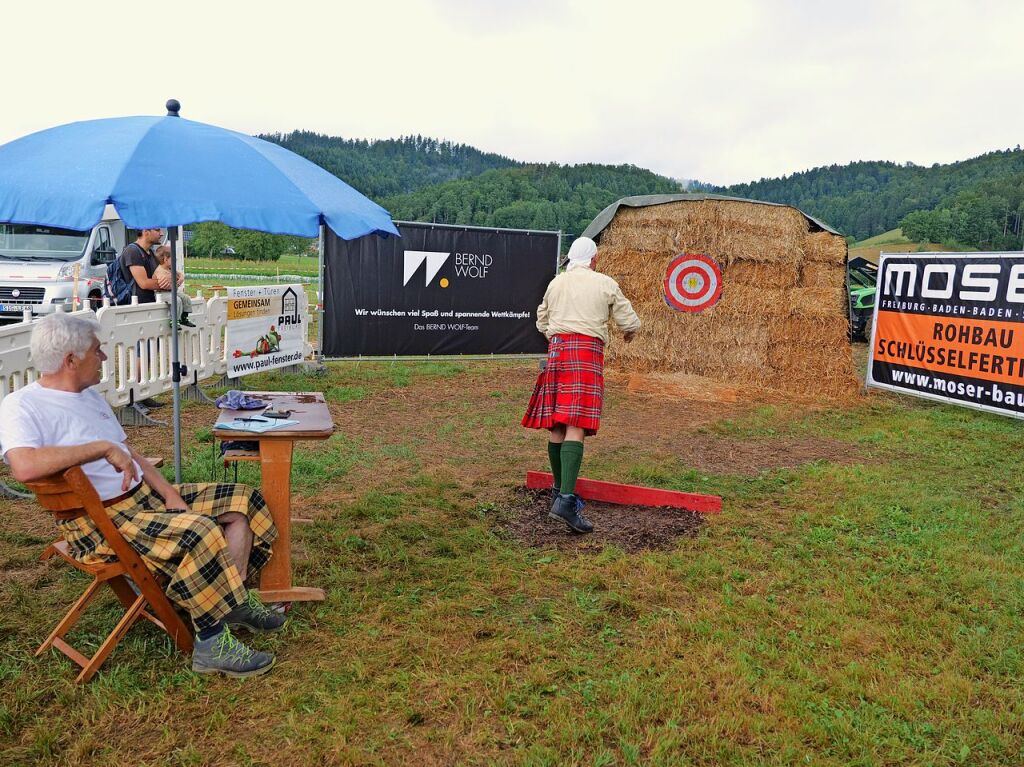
x=572, y=459
x=555, y=456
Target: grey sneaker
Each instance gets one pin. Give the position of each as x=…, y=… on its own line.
x=223, y=654
x=568, y=509
x=255, y=616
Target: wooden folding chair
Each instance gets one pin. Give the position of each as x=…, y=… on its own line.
x=71, y=495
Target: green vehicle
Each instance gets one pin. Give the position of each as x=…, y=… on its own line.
x=861, y=279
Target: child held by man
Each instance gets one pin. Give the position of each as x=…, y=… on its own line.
x=163, y=258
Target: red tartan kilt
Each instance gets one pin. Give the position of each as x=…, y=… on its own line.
x=570, y=390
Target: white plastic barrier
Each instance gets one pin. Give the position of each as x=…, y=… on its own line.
x=137, y=342
x=16, y=368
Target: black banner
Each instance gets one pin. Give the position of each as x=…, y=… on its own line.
x=950, y=327
x=977, y=285
x=436, y=290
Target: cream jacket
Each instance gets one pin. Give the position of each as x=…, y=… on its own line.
x=581, y=300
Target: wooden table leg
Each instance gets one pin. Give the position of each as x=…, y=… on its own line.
x=276, y=578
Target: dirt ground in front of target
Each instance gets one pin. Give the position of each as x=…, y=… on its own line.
x=465, y=429
x=631, y=528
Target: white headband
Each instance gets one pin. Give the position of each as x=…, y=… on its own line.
x=582, y=252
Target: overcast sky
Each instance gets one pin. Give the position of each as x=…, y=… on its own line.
x=723, y=91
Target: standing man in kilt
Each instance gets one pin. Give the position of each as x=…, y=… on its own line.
x=569, y=392
x=205, y=540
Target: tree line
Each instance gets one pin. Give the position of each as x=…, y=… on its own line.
x=863, y=199
x=431, y=180
x=988, y=216
x=389, y=167
x=212, y=239
x=541, y=197
x=976, y=203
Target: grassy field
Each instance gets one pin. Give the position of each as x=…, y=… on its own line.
x=858, y=601
x=892, y=237
x=892, y=241
x=288, y=264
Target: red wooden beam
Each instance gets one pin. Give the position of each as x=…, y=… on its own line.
x=634, y=495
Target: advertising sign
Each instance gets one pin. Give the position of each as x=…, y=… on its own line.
x=266, y=328
x=436, y=290
x=950, y=327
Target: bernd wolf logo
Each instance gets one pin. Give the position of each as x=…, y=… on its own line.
x=413, y=259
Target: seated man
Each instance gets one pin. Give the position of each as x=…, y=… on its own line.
x=205, y=539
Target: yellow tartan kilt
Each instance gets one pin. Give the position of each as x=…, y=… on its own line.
x=186, y=548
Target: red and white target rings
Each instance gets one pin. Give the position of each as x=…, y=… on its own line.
x=692, y=283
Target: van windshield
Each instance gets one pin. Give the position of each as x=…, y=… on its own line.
x=28, y=242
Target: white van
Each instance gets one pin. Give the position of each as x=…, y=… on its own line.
x=40, y=265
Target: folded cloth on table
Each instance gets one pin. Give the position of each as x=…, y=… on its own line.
x=238, y=400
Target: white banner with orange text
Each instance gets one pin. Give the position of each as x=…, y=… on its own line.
x=266, y=328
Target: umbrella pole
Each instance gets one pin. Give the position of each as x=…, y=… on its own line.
x=320, y=302
x=172, y=238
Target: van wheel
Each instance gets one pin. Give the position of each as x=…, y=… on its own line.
x=95, y=301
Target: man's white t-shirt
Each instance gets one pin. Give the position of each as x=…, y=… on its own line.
x=36, y=416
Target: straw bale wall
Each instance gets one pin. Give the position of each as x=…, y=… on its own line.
x=825, y=248
x=781, y=321
x=814, y=274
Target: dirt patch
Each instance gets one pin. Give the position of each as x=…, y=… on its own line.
x=719, y=455
x=680, y=429
x=632, y=528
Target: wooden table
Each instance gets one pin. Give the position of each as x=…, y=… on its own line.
x=276, y=447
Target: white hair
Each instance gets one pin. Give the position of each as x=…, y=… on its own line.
x=59, y=334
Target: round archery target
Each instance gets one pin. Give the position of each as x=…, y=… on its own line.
x=692, y=283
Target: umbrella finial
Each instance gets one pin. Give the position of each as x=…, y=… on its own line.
x=173, y=107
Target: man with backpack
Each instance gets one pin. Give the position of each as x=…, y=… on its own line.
x=138, y=259
x=132, y=275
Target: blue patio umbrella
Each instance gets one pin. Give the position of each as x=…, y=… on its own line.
x=168, y=172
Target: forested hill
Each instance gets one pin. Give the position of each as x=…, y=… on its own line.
x=976, y=203
x=425, y=179
x=863, y=199
x=388, y=167
x=546, y=197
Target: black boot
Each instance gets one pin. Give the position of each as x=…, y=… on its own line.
x=568, y=509
x=186, y=321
